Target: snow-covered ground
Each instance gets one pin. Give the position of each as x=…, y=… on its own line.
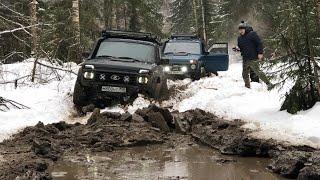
x=50, y=102
x=227, y=97
x=224, y=95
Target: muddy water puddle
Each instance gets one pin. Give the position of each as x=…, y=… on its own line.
x=162, y=163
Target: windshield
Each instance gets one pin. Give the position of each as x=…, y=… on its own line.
x=182, y=47
x=127, y=50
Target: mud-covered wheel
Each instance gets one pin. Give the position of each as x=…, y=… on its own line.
x=80, y=97
x=196, y=76
x=203, y=72
x=160, y=91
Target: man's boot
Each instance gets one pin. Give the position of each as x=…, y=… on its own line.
x=247, y=83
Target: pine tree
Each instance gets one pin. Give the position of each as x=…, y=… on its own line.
x=296, y=38
x=182, y=20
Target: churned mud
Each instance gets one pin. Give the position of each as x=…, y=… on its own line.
x=30, y=153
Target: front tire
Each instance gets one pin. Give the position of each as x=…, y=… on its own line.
x=160, y=90
x=80, y=97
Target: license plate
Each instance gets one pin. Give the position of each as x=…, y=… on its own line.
x=175, y=68
x=114, y=89
x=176, y=72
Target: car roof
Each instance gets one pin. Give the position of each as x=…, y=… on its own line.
x=138, y=36
x=185, y=40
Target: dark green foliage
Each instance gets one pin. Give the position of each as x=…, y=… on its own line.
x=182, y=16
x=300, y=97
x=295, y=41
x=56, y=34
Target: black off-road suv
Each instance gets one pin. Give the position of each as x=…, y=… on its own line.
x=121, y=65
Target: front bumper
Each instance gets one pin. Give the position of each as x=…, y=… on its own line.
x=182, y=70
x=99, y=90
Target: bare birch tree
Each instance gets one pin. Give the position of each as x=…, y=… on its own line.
x=203, y=21
x=77, y=34
x=195, y=15
x=34, y=36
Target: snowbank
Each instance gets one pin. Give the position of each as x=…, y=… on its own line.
x=49, y=102
x=227, y=97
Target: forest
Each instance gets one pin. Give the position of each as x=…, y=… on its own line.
x=80, y=102
x=64, y=29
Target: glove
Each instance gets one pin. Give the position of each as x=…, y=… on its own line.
x=236, y=49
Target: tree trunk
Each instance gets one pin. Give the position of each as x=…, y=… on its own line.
x=204, y=22
x=118, y=16
x=134, y=17
x=125, y=13
x=77, y=35
x=195, y=16
x=34, y=38
x=318, y=12
x=316, y=67
x=107, y=13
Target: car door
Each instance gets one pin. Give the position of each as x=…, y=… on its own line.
x=217, y=59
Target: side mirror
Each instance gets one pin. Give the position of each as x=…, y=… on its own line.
x=163, y=62
x=85, y=55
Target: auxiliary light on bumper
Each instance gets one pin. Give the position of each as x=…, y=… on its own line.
x=143, y=80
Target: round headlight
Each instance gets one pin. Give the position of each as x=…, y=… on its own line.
x=193, y=66
x=166, y=69
x=88, y=75
x=184, y=69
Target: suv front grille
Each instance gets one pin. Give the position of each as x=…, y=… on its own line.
x=116, y=78
x=176, y=68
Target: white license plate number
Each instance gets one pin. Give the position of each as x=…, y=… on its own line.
x=114, y=89
x=176, y=72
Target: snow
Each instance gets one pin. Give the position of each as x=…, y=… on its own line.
x=49, y=103
x=227, y=97
x=223, y=95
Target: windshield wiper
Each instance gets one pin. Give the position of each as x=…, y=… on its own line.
x=106, y=56
x=133, y=59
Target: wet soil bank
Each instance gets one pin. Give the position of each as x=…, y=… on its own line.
x=28, y=154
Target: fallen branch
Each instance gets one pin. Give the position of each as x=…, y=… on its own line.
x=56, y=68
x=6, y=102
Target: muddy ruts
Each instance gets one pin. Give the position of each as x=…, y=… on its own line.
x=230, y=138
x=28, y=154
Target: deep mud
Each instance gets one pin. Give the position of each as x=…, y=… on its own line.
x=28, y=154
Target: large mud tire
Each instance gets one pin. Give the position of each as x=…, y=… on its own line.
x=161, y=91
x=80, y=97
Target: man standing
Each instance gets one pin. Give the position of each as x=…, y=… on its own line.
x=251, y=48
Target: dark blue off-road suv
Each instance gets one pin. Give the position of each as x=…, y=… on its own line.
x=188, y=57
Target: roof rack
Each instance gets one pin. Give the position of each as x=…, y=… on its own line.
x=184, y=36
x=130, y=35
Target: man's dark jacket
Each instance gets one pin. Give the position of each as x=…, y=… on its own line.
x=250, y=45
